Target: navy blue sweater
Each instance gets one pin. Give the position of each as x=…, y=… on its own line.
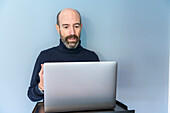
x=57, y=54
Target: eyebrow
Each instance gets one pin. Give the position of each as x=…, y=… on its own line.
x=65, y=24
x=77, y=23
x=68, y=24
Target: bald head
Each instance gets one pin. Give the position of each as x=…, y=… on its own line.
x=66, y=13
x=69, y=27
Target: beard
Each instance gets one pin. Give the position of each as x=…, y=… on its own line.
x=70, y=44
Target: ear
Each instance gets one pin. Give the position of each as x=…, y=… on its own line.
x=58, y=28
x=81, y=25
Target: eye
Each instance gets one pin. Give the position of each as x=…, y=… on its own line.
x=65, y=27
x=77, y=26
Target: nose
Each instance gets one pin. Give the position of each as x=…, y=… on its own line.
x=72, y=31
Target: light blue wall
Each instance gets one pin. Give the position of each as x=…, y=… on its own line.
x=132, y=32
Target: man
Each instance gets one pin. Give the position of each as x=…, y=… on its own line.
x=69, y=27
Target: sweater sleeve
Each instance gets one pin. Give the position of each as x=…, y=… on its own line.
x=34, y=93
x=96, y=57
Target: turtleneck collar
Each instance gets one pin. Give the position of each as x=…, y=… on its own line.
x=63, y=48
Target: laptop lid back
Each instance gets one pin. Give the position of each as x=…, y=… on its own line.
x=77, y=86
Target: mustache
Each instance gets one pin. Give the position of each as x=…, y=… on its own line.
x=72, y=36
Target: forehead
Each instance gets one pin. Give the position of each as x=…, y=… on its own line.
x=69, y=17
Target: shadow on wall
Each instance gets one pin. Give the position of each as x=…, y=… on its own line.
x=83, y=34
x=83, y=38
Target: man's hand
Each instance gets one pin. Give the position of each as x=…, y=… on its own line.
x=41, y=75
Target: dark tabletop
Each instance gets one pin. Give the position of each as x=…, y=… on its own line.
x=120, y=108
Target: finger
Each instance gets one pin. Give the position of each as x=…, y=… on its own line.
x=41, y=71
x=42, y=65
x=42, y=68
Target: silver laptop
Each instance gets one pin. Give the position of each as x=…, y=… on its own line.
x=79, y=86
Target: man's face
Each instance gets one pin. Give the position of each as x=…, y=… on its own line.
x=69, y=28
